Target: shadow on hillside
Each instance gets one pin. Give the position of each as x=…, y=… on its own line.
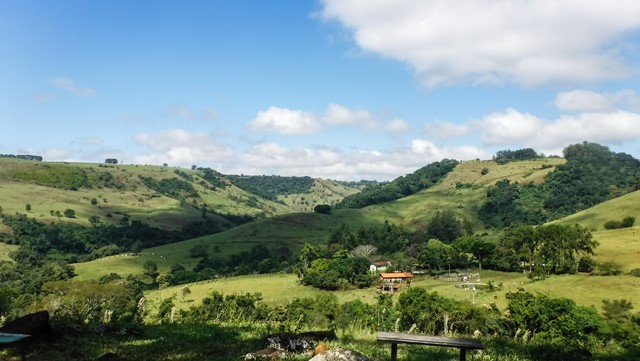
x=178, y=342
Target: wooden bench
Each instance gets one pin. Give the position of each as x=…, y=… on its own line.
x=14, y=339
x=463, y=344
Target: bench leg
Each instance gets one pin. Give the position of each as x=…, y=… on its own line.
x=394, y=351
x=463, y=354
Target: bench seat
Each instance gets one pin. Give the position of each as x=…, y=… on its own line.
x=395, y=338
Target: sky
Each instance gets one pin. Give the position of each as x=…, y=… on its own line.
x=339, y=89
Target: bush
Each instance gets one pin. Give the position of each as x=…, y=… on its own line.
x=635, y=272
x=586, y=264
x=627, y=222
x=69, y=213
x=609, y=268
x=484, y=171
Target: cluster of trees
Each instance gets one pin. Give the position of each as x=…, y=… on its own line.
x=548, y=249
x=65, y=177
x=171, y=187
x=341, y=271
x=403, y=186
x=270, y=187
x=507, y=155
x=111, y=161
x=215, y=178
x=37, y=158
x=591, y=175
x=626, y=222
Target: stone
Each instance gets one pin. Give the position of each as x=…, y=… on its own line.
x=289, y=342
x=340, y=354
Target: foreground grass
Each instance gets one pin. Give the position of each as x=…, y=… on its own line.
x=191, y=342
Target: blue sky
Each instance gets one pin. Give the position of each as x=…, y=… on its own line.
x=340, y=89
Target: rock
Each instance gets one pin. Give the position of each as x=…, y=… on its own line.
x=35, y=324
x=340, y=354
x=268, y=353
x=289, y=342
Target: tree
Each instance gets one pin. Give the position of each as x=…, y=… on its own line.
x=185, y=292
x=27, y=207
x=444, y=226
x=322, y=209
x=150, y=268
x=94, y=201
x=69, y=213
x=364, y=251
x=111, y=161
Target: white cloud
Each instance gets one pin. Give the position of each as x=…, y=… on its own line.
x=513, y=128
x=583, y=100
x=589, y=101
x=181, y=148
x=397, y=126
x=298, y=122
x=494, y=41
x=70, y=86
x=338, y=115
x=285, y=121
x=356, y=164
x=446, y=130
x=510, y=127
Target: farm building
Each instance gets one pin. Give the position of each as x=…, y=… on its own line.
x=392, y=281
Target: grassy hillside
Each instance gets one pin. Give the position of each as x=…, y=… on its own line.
x=114, y=192
x=290, y=231
x=323, y=191
x=615, y=209
x=462, y=191
x=293, y=230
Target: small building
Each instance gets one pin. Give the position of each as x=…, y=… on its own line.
x=379, y=266
x=392, y=281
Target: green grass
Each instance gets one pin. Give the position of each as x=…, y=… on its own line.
x=615, y=209
x=135, y=199
x=5, y=249
x=621, y=246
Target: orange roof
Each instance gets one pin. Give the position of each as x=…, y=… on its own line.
x=397, y=275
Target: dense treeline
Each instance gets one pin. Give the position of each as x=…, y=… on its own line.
x=270, y=187
x=65, y=177
x=37, y=158
x=507, y=155
x=171, y=187
x=591, y=175
x=403, y=186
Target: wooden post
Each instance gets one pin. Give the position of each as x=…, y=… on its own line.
x=394, y=351
x=463, y=354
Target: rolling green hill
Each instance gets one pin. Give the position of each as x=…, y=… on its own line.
x=293, y=230
x=159, y=196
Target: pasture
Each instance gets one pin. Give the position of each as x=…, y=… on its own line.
x=279, y=289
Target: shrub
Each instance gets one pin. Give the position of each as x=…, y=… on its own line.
x=627, y=222
x=609, y=268
x=635, y=272
x=484, y=171
x=69, y=213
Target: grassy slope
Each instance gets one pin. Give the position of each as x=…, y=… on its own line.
x=293, y=230
x=135, y=200
x=419, y=208
x=323, y=191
